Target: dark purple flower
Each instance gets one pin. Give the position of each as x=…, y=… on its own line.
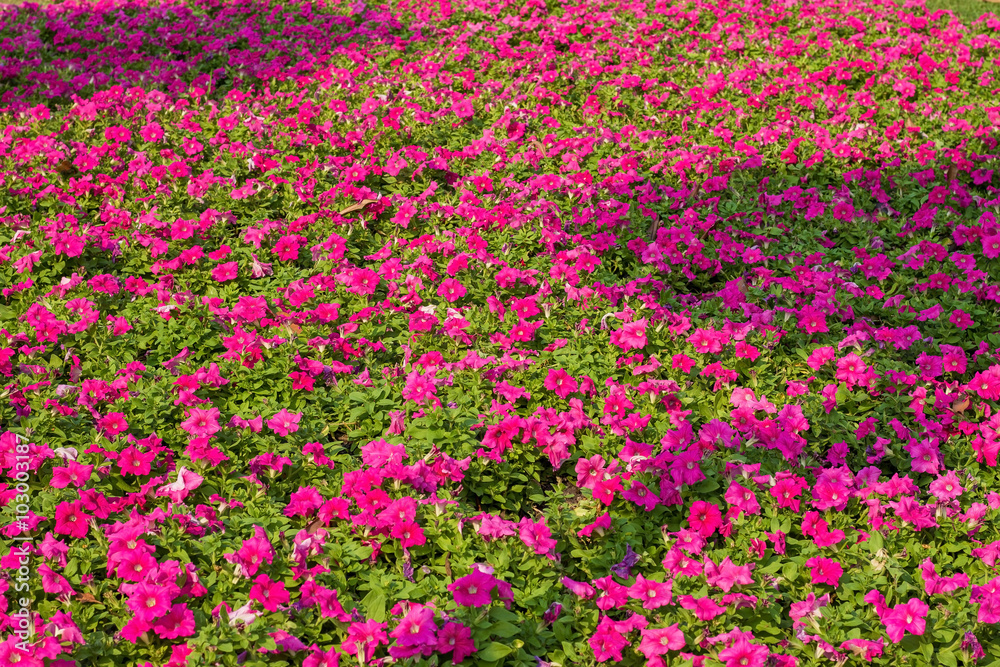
x=623, y=569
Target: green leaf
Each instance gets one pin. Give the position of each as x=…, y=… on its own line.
x=504, y=629
x=947, y=658
x=374, y=604
x=874, y=542
x=493, y=652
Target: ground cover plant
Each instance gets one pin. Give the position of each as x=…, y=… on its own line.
x=652, y=333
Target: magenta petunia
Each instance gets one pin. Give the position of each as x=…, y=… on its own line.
x=284, y=422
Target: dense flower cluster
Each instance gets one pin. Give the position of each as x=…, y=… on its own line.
x=642, y=332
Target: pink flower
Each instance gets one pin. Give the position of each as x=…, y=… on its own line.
x=451, y=290
x=268, y=593
x=152, y=132
x=682, y=362
x=224, y=272
x=178, y=490
x=820, y=356
x=71, y=520
x=537, y=536
x=987, y=383
x=179, y=622
x=304, y=502
x=652, y=594
x=420, y=388
x=135, y=565
x=961, y=319
x=946, y=487
x=416, y=629
x=707, y=341
x=463, y=109
x=851, y=369
x=727, y=574
x=149, y=601
x=409, y=534
x=578, y=588
x=953, y=359
x=54, y=583
x=561, y=382
x=744, y=654
x=606, y=642
x=474, y=589
x=364, y=638
x=808, y=608
x=812, y=320
x=705, y=609
x=287, y=247
x=73, y=473
x=704, y=517
x=991, y=246
x=903, y=618
x=743, y=498
x=631, y=336
x=825, y=571
x=658, y=641
x=284, y=422
x=112, y=424
x=613, y=594
x=132, y=461
x=458, y=638
x=202, y=423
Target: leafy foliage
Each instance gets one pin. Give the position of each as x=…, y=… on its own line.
x=499, y=333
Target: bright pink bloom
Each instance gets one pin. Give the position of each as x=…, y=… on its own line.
x=451, y=290
x=727, y=574
x=909, y=617
x=416, y=629
x=71, y=520
x=652, y=594
x=561, y=382
x=851, y=369
x=820, y=356
x=112, y=424
x=537, y=536
x=202, y=422
x=704, y=517
x=72, y=473
x=743, y=498
x=705, y=609
x=149, y=601
x=474, y=589
x=631, y=336
x=179, y=622
x=284, y=422
x=365, y=637
x=580, y=589
x=825, y=571
x=961, y=319
x=224, y=272
x=408, y=534
x=458, y=638
x=809, y=608
x=987, y=383
x=420, y=388
x=606, y=642
x=178, y=490
x=270, y=594
x=744, y=654
x=946, y=487
x=658, y=641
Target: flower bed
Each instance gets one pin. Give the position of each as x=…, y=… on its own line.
x=499, y=333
